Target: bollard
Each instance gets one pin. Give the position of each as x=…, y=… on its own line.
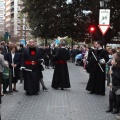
x=10, y=81
x=21, y=76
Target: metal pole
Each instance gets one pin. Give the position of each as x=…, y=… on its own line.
x=25, y=27
x=46, y=41
x=91, y=41
x=10, y=81
x=21, y=76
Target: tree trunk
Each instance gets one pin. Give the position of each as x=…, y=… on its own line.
x=21, y=31
x=46, y=41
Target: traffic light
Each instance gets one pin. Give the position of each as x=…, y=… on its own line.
x=92, y=29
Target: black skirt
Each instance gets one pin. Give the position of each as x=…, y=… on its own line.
x=61, y=77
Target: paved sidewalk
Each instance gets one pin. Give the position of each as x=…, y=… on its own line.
x=72, y=104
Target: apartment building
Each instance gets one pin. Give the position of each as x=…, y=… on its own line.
x=2, y=17
x=15, y=22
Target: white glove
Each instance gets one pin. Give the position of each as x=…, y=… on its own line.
x=42, y=60
x=102, y=61
x=22, y=68
x=6, y=62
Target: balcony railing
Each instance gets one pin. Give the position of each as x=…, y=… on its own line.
x=20, y=3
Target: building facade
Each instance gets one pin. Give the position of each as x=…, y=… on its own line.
x=2, y=17
x=15, y=21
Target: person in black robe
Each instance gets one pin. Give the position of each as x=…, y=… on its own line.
x=61, y=74
x=54, y=50
x=98, y=84
x=47, y=57
x=90, y=68
x=31, y=69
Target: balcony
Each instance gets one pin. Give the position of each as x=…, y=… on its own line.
x=12, y=7
x=20, y=3
x=19, y=9
x=12, y=20
x=12, y=12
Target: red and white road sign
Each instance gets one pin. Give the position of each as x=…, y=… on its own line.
x=104, y=20
x=103, y=28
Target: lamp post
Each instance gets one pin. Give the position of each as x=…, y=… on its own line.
x=102, y=3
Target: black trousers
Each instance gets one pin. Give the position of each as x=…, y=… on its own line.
x=5, y=84
x=114, y=100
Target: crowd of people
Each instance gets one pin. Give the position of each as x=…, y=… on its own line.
x=102, y=65
x=29, y=61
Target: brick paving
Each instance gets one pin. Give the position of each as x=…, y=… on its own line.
x=71, y=104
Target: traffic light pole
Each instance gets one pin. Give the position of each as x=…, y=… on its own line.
x=92, y=29
x=103, y=41
x=91, y=39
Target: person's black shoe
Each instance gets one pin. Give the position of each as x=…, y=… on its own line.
x=6, y=92
x=102, y=94
x=27, y=93
x=109, y=110
x=55, y=88
x=91, y=93
x=15, y=90
x=2, y=95
x=44, y=88
x=62, y=88
x=36, y=93
x=115, y=111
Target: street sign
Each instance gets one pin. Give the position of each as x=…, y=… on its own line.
x=104, y=20
x=103, y=28
x=104, y=17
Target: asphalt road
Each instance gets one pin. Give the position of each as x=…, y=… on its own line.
x=71, y=104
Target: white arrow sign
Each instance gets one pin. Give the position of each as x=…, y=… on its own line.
x=104, y=16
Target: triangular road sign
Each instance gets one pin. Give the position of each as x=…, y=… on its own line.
x=103, y=28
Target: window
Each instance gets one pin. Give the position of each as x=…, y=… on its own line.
x=1, y=11
x=1, y=18
x=1, y=4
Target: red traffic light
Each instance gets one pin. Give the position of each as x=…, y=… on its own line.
x=92, y=29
